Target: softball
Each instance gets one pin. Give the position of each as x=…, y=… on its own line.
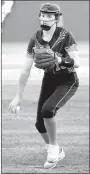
x=17, y=109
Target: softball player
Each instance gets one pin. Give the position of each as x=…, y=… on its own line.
x=58, y=85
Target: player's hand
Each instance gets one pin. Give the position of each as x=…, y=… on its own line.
x=14, y=106
x=58, y=58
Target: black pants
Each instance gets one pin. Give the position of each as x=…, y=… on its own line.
x=56, y=90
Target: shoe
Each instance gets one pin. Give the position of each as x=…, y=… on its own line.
x=53, y=153
x=52, y=161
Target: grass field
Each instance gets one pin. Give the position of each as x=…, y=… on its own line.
x=22, y=147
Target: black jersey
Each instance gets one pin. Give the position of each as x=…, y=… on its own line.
x=61, y=43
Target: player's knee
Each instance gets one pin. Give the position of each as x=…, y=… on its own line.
x=48, y=112
x=41, y=129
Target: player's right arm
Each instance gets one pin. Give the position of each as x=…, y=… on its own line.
x=25, y=73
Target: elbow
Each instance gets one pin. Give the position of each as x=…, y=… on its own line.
x=76, y=66
x=25, y=73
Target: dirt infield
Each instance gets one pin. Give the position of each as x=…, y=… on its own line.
x=22, y=147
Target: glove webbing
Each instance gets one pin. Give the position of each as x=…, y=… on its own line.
x=39, y=45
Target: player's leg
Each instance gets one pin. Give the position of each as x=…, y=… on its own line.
x=50, y=125
x=40, y=123
x=58, y=99
x=61, y=95
x=45, y=137
x=46, y=90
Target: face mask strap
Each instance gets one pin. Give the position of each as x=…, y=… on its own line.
x=46, y=27
x=47, y=21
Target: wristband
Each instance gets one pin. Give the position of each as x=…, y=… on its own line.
x=67, y=62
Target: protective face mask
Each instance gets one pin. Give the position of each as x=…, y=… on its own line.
x=46, y=27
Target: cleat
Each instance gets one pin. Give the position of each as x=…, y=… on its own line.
x=52, y=160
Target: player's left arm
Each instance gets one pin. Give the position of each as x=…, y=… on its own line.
x=71, y=49
x=74, y=55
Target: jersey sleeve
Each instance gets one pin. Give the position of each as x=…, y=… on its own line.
x=70, y=43
x=31, y=45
